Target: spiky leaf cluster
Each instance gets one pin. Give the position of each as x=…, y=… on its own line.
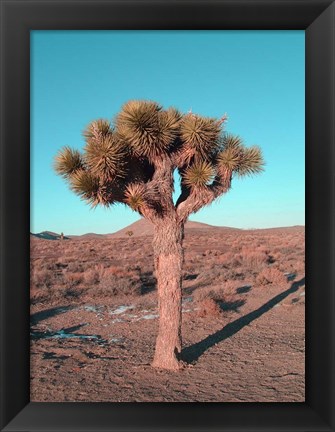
x=67, y=162
x=97, y=129
x=235, y=157
x=228, y=158
x=135, y=196
x=105, y=154
x=251, y=162
x=132, y=161
x=199, y=174
x=105, y=157
x=199, y=135
x=84, y=184
x=147, y=129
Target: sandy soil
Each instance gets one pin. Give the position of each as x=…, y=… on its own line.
x=247, y=346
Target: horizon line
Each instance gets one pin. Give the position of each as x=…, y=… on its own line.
x=204, y=223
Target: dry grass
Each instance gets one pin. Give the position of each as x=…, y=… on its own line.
x=271, y=275
x=214, y=300
x=216, y=265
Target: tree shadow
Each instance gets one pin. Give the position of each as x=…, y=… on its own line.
x=190, y=290
x=148, y=282
x=53, y=356
x=47, y=334
x=191, y=276
x=192, y=353
x=243, y=289
x=48, y=313
x=68, y=333
x=230, y=306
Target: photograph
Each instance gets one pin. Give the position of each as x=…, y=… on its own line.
x=167, y=216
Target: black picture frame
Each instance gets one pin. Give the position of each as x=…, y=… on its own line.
x=317, y=18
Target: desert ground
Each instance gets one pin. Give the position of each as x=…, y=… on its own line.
x=94, y=317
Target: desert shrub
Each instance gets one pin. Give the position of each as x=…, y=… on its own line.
x=236, y=261
x=60, y=265
x=91, y=276
x=114, y=285
x=68, y=250
x=213, y=293
x=45, y=264
x=73, y=292
x=253, y=259
x=226, y=259
x=209, y=307
x=235, y=274
x=219, y=274
x=230, y=287
x=41, y=278
x=212, y=252
x=118, y=271
x=75, y=267
x=276, y=256
x=73, y=279
x=264, y=248
x=73, y=288
x=271, y=275
x=224, y=292
x=215, y=300
x=38, y=295
x=206, y=277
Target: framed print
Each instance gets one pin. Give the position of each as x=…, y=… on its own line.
x=85, y=331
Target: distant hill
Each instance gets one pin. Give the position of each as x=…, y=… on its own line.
x=88, y=236
x=144, y=227
x=48, y=235
x=283, y=230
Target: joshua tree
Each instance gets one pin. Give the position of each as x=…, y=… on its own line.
x=129, y=233
x=133, y=161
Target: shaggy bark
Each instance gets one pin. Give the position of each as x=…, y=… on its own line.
x=168, y=249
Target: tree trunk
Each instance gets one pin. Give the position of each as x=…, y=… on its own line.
x=168, y=250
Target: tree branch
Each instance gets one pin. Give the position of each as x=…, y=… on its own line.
x=149, y=213
x=161, y=185
x=200, y=197
x=185, y=193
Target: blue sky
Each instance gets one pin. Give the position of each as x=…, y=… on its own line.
x=256, y=77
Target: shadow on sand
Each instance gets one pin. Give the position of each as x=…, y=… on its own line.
x=192, y=353
x=48, y=313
